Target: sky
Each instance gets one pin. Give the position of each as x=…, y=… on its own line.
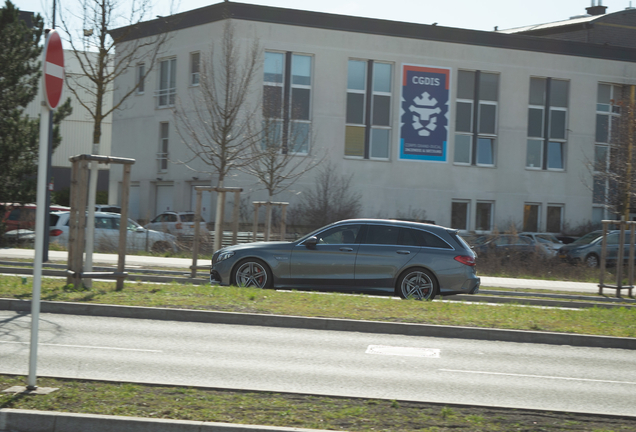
x=469, y=14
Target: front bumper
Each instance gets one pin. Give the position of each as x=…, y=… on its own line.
x=215, y=277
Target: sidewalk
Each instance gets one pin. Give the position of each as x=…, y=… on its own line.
x=185, y=263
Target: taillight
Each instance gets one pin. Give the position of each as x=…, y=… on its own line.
x=466, y=260
x=55, y=232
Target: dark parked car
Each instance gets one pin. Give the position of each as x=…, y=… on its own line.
x=587, y=249
x=413, y=259
x=510, y=245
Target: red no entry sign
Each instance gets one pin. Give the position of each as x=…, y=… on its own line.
x=53, y=69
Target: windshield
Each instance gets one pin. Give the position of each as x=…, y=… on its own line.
x=588, y=238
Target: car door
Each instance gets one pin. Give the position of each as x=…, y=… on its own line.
x=330, y=262
x=381, y=256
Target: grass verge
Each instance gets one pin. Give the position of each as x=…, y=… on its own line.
x=619, y=322
x=293, y=410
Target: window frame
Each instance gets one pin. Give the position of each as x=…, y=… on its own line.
x=491, y=215
x=195, y=75
x=368, y=125
x=140, y=78
x=170, y=91
x=466, y=215
x=475, y=133
x=547, y=115
x=164, y=143
x=286, y=116
x=561, y=208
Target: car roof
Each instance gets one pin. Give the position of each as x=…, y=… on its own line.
x=399, y=222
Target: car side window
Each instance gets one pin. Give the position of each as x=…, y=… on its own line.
x=612, y=239
x=431, y=240
x=171, y=218
x=382, y=234
x=102, y=223
x=345, y=234
x=157, y=219
x=411, y=237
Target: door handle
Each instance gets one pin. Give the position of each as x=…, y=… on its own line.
x=346, y=249
x=403, y=252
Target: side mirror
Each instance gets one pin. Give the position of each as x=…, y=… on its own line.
x=140, y=230
x=311, y=242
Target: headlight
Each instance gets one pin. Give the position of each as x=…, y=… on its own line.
x=224, y=255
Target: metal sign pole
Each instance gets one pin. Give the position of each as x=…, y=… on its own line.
x=39, y=246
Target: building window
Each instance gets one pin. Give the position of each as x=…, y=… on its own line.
x=287, y=99
x=140, y=78
x=483, y=216
x=368, y=120
x=531, y=213
x=167, y=82
x=162, y=155
x=460, y=214
x=476, y=118
x=547, y=124
x=608, y=112
x=195, y=58
x=554, y=218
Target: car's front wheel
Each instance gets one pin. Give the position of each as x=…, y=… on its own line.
x=418, y=284
x=252, y=272
x=592, y=261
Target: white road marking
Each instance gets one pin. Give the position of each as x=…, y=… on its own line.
x=537, y=376
x=403, y=351
x=54, y=70
x=84, y=346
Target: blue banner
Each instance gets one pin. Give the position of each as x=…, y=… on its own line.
x=425, y=113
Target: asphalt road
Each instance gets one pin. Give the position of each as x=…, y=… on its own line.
x=562, y=378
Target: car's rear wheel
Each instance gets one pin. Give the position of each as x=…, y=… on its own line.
x=592, y=261
x=252, y=272
x=417, y=283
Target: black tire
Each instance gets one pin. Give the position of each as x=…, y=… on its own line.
x=252, y=272
x=592, y=261
x=417, y=283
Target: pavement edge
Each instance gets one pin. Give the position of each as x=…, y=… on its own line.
x=16, y=420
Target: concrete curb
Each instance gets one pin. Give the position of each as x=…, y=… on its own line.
x=234, y=318
x=13, y=420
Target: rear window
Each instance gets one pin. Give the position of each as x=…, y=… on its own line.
x=415, y=237
x=187, y=217
x=53, y=218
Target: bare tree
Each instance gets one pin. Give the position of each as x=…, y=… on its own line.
x=613, y=170
x=221, y=128
x=330, y=200
x=277, y=164
x=93, y=47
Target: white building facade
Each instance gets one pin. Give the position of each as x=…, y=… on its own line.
x=475, y=130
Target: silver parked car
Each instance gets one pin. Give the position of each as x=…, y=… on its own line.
x=107, y=234
x=415, y=260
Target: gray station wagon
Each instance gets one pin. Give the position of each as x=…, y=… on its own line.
x=415, y=260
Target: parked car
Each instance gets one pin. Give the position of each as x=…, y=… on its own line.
x=551, y=243
x=107, y=208
x=510, y=246
x=180, y=224
x=138, y=238
x=587, y=249
x=414, y=260
x=22, y=216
